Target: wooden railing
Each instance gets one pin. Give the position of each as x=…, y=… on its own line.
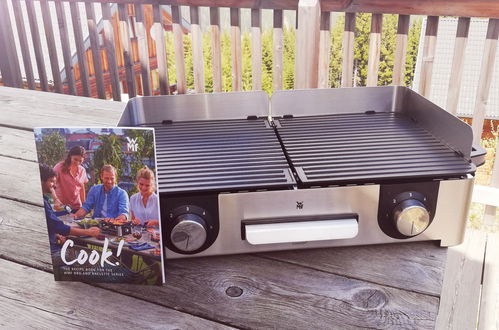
x=132, y=57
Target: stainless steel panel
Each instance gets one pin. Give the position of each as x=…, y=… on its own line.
x=234, y=105
x=448, y=225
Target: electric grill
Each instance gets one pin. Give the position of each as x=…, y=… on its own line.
x=315, y=168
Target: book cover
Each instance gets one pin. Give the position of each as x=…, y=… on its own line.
x=101, y=203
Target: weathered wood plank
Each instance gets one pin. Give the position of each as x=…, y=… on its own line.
x=197, y=50
x=235, y=49
x=429, y=48
x=324, y=50
x=216, y=46
x=159, y=37
x=109, y=45
x=456, y=71
x=34, y=109
x=95, y=47
x=278, y=45
x=17, y=143
x=80, y=49
x=400, y=50
x=49, y=35
x=145, y=69
x=16, y=181
x=486, y=73
x=126, y=45
x=23, y=42
x=38, y=299
x=256, y=49
x=247, y=291
x=461, y=287
x=374, y=49
x=178, y=48
x=348, y=50
x=37, y=46
x=307, y=44
x=489, y=218
x=66, y=50
x=421, y=270
x=489, y=302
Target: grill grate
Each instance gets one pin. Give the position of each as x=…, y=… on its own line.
x=366, y=148
x=220, y=155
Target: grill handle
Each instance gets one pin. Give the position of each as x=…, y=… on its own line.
x=478, y=155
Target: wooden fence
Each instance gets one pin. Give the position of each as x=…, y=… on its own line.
x=132, y=49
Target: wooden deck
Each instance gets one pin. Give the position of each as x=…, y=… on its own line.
x=399, y=286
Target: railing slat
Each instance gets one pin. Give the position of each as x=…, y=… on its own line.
x=197, y=50
x=49, y=34
x=235, y=49
x=216, y=48
x=66, y=50
x=9, y=62
x=324, y=50
x=94, y=46
x=178, y=47
x=256, y=49
x=126, y=45
x=307, y=44
x=35, y=36
x=429, y=48
x=348, y=50
x=456, y=71
x=23, y=42
x=491, y=210
x=374, y=49
x=109, y=45
x=145, y=68
x=164, y=85
x=400, y=50
x=486, y=73
x=80, y=50
x=278, y=44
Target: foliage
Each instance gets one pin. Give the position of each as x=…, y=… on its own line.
x=109, y=153
x=52, y=149
x=361, y=52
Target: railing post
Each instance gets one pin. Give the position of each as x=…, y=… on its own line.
x=9, y=63
x=307, y=44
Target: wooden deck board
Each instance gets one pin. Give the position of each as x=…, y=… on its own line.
x=462, y=283
x=385, y=286
x=419, y=265
x=489, y=303
x=29, y=296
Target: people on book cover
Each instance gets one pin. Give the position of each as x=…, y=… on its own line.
x=71, y=180
x=107, y=200
x=144, y=205
x=54, y=225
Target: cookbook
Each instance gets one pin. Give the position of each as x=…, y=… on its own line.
x=101, y=204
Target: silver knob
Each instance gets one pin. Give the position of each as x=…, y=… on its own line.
x=189, y=234
x=411, y=217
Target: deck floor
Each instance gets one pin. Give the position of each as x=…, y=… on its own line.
x=415, y=285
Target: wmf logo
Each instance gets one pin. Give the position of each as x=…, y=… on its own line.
x=299, y=205
x=132, y=144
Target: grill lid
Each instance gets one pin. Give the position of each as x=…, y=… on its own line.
x=220, y=155
x=367, y=147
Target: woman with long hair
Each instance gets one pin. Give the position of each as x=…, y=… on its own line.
x=71, y=179
x=144, y=205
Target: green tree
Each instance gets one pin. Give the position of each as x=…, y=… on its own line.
x=246, y=62
x=387, y=53
x=412, y=50
x=267, y=44
x=289, y=58
x=361, y=50
x=208, y=63
x=110, y=152
x=52, y=149
x=335, y=62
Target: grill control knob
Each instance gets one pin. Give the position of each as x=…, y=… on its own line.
x=411, y=217
x=189, y=232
